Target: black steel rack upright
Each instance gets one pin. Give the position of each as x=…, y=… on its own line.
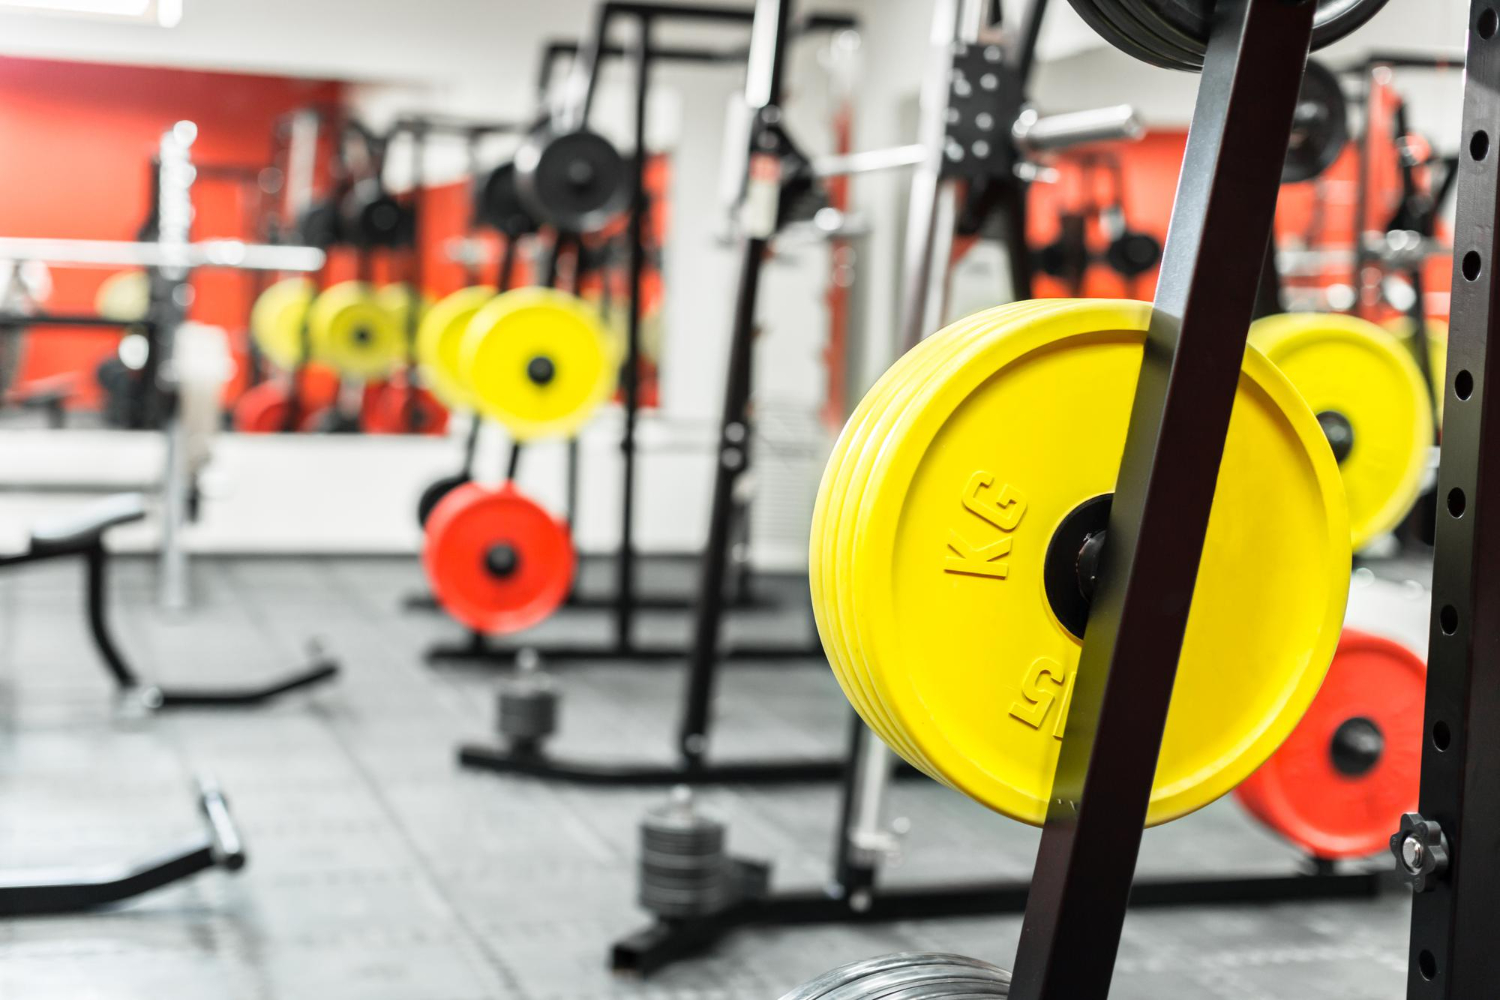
x=852, y=894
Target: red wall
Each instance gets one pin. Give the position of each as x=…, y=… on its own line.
x=77, y=140
x=1151, y=167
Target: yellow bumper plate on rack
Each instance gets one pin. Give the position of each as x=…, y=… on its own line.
x=277, y=320
x=355, y=332
x=124, y=296
x=955, y=515
x=440, y=340
x=539, y=362
x=1368, y=395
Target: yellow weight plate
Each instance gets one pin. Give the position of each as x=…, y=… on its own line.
x=1368, y=394
x=863, y=437
x=354, y=332
x=539, y=362
x=277, y=318
x=397, y=298
x=990, y=454
x=825, y=561
x=440, y=340
x=954, y=349
x=124, y=296
x=1437, y=352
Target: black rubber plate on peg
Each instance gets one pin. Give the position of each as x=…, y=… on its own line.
x=497, y=203
x=1317, y=142
x=574, y=180
x=434, y=493
x=1174, y=33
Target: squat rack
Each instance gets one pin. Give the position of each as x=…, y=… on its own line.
x=1082, y=879
x=851, y=894
x=573, y=111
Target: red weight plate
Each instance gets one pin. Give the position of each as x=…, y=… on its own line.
x=1339, y=784
x=385, y=412
x=261, y=409
x=496, y=560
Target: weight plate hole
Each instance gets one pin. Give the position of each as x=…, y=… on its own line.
x=1463, y=384
x=1441, y=737
x=1472, y=262
x=1488, y=22
x=1448, y=619
x=1426, y=964
x=1479, y=145
x=1456, y=502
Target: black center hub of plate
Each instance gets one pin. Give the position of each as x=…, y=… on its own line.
x=502, y=560
x=1339, y=432
x=1356, y=746
x=362, y=336
x=541, y=369
x=1070, y=571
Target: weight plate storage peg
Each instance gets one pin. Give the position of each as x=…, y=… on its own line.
x=1369, y=398
x=913, y=976
x=278, y=321
x=539, y=362
x=354, y=332
x=685, y=870
x=1174, y=33
x=1320, y=128
x=440, y=338
x=575, y=181
x=956, y=540
x=1341, y=782
x=496, y=560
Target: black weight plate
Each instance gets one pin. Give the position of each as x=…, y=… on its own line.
x=573, y=180
x=498, y=204
x=320, y=224
x=1321, y=129
x=373, y=218
x=1174, y=33
x=1132, y=254
x=434, y=493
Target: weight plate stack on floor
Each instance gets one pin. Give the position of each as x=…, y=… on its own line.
x=539, y=362
x=1340, y=783
x=1174, y=33
x=354, y=332
x=1372, y=405
x=685, y=870
x=277, y=321
x=913, y=976
x=959, y=521
x=496, y=560
x=527, y=706
x=440, y=338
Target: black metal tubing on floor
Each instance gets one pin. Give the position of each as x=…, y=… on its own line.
x=651, y=774
x=480, y=650
x=55, y=891
x=664, y=942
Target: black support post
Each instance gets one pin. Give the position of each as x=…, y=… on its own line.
x=1225, y=199
x=1453, y=953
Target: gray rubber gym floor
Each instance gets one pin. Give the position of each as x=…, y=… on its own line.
x=378, y=870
